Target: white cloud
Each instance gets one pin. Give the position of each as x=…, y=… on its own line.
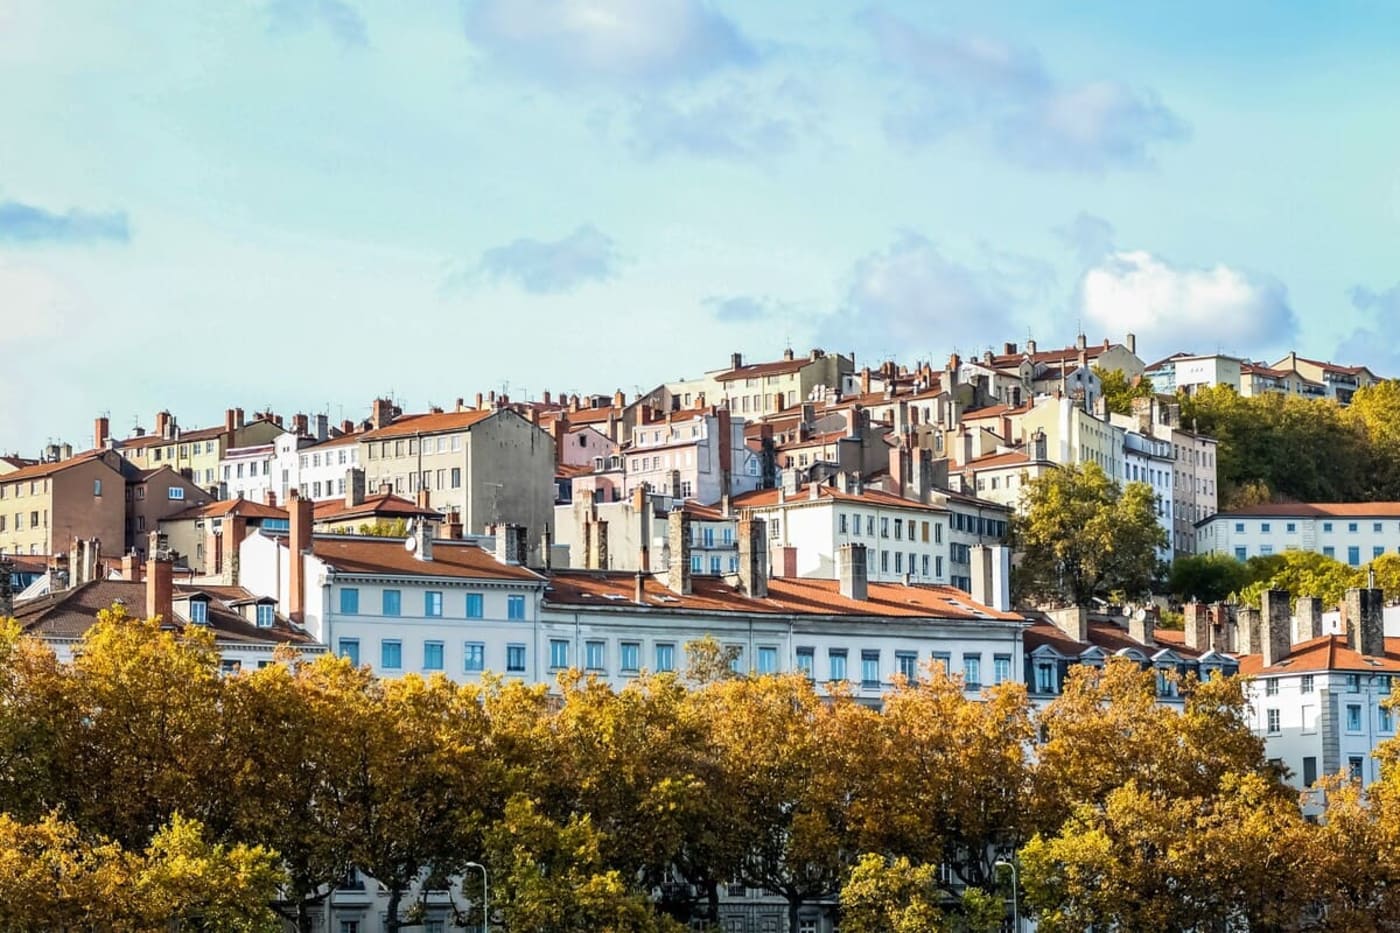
x=607, y=40
x=553, y=266
x=1005, y=97
x=1175, y=308
x=1370, y=344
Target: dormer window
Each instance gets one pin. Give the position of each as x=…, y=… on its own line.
x=266, y=615
x=199, y=611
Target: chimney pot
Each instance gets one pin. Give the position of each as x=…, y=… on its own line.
x=851, y=571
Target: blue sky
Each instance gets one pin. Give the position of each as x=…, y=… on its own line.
x=305, y=203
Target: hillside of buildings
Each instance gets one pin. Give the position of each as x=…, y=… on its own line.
x=145, y=791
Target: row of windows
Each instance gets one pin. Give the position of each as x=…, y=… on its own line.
x=35, y=486
x=1353, y=552
x=386, y=449
x=391, y=604
x=978, y=525
x=36, y=520
x=906, y=664
x=432, y=656
x=446, y=479
x=1385, y=720
x=1307, y=684
x=186, y=450
x=629, y=656
x=1327, y=527
x=900, y=525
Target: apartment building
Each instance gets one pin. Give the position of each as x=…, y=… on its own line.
x=154, y=495
x=205, y=538
x=1339, y=383
x=753, y=390
x=194, y=454
x=691, y=455
x=1354, y=533
x=44, y=507
x=1074, y=435
x=490, y=466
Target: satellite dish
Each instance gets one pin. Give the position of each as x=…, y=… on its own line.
x=410, y=545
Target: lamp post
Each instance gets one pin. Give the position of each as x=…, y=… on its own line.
x=1015, y=912
x=485, y=901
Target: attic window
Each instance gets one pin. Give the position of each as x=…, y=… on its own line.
x=176, y=492
x=199, y=611
x=266, y=614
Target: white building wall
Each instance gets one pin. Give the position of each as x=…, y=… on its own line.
x=1354, y=541
x=816, y=530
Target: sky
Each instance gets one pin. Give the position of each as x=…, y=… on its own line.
x=305, y=204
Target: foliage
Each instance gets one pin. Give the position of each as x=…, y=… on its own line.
x=384, y=528
x=884, y=896
x=1082, y=536
x=1301, y=573
x=1206, y=578
x=1119, y=390
x=707, y=660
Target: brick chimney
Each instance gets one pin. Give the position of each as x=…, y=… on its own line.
x=299, y=513
x=424, y=497
x=851, y=571
x=1197, y=616
x=300, y=425
x=1249, y=633
x=785, y=561
x=354, y=487
x=381, y=412
x=165, y=424
x=678, y=537
x=753, y=557
x=270, y=498
x=1278, y=624
x=1365, y=625
x=101, y=430
x=160, y=583
x=131, y=568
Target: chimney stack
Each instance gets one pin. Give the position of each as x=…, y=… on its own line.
x=1278, y=624
x=423, y=534
x=753, y=557
x=381, y=412
x=323, y=427
x=1197, y=617
x=131, y=568
x=1308, y=616
x=991, y=576
x=851, y=571
x=1140, y=627
x=678, y=537
x=1249, y=634
x=101, y=430
x=160, y=583
x=165, y=424
x=300, y=425
x=270, y=498
x=510, y=544
x=299, y=513
x=354, y=487
x=1072, y=620
x=1365, y=624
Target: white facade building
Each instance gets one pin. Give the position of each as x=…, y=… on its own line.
x=1353, y=533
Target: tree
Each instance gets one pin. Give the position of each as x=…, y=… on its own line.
x=706, y=660
x=1119, y=390
x=884, y=896
x=1083, y=536
x=1301, y=573
x=1207, y=578
x=35, y=713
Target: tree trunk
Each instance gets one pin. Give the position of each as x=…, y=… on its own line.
x=392, y=921
x=794, y=907
x=712, y=901
x=303, y=917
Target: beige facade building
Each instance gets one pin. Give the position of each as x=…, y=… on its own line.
x=193, y=454
x=44, y=507
x=757, y=389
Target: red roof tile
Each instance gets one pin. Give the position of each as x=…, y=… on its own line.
x=430, y=423
x=873, y=497
x=1328, y=653
x=351, y=554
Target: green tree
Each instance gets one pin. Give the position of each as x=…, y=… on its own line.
x=891, y=896
x=1301, y=573
x=1206, y=578
x=1119, y=389
x=1082, y=536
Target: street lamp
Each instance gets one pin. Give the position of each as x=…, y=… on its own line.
x=1015, y=912
x=485, y=902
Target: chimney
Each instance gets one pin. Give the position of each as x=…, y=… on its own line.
x=101, y=430
x=1073, y=621
x=1197, y=616
x=270, y=498
x=753, y=557
x=1278, y=624
x=347, y=427
x=300, y=425
x=1081, y=343
x=678, y=538
x=160, y=583
x=510, y=544
x=1365, y=625
x=546, y=547
x=164, y=424
x=1308, y=614
x=424, y=498
x=354, y=488
x=453, y=531
x=323, y=427
x=1140, y=626
x=736, y=360
x=238, y=418
x=1249, y=633
x=1008, y=349
x=991, y=576
x=851, y=571
x=131, y=568
x=639, y=590
x=423, y=533
x=1131, y=343
x=981, y=575
x=299, y=512
x=381, y=412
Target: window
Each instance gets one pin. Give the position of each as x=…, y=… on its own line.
x=515, y=659
x=1327, y=527
x=349, y=601
x=923, y=565
x=1377, y=552
x=1271, y=717
x=456, y=477
x=972, y=670
x=836, y=659
x=1353, y=717
x=474, y=655
x=806, y=662
x=349, y=926
x=1376, y=527
x=175, y=492
x=907, y=662
x=855, y=524
x=1044, y=677
x=199, y=611
x=1001, y=668
x=593, y=655
x=393, y=603
x=350, y=649
x=1240, y=554
x=97, y=487
x=630, y=656
x=1271, y=687
x=1351, y=527
x=1309, y=771
x=884, y=527
x=515, y=607
x=1291, y=528
x=558, y=653
x=736, y=658
x=1307, y=684
x=474, y=607
x=767, y=659
x=432, y=655
x=1265, y=550
x=391, y=654
x=1239, y=528
x=1354, y=766
x=870, y=669
x=1353, y=683
x=840, y=521
x=1385, y=720
x=266, y=614
x=1383, y=684
x=432, y=603
x=1329, y=551
x=665, y=657
x=1309, y=719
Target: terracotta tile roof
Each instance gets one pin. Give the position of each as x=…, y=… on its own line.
x=1103, y=634
x=872, y=497
x=819, y=440
x=72, y=612
x=363, y=554
x=430, y=423
x=199, y=434
x=705, y=513
x=1004, y=459
x=786, y=596
x=48, y=469
x=755, y=370
x=1010, y=360
x=572, y=470
x=19, y=462
x=387, y=505
x=997, y=411
x=241, y=507
x=1313, y=510
x=1328, y=653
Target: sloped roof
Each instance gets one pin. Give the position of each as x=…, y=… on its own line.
x=386, y=505
x=429, y=423
x=241, y=507
x=1328, y=653
x=370, y=555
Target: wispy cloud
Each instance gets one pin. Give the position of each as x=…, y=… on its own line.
x=724, y=128
x=626, y=41
x=1371, y=344
x=339, y=18
x=1089, y=236
x=1007, y=97
x=911, y=297
x=26, y=224
x=1172, y=307
x=743, y=309
x=553, y=266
